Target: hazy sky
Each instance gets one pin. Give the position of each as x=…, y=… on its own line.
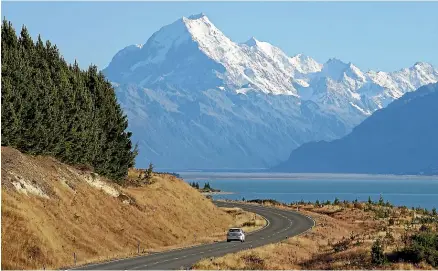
x=373, y=35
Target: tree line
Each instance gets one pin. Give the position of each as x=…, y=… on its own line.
x=196, y=185
x=54, y=108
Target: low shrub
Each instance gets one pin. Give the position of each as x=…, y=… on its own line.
x=378, y=256
x=422, y=246
x=249, y=224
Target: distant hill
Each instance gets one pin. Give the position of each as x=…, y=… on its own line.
x=399, y=139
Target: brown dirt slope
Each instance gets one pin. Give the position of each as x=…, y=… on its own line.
x=51, y=210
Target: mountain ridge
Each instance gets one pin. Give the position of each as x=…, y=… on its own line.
x=398, y=139
x=191, y=75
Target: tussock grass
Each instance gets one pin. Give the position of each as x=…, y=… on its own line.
x=341, y=240
x=78, y=218
x=248, y=221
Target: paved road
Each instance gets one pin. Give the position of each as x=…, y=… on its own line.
x=281, y=225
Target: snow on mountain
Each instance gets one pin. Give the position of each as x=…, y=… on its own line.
x=196, y=98
x=305, y=64
x=259, y=64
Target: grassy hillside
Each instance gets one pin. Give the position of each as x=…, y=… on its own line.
x=342, y=240
x=51, y=211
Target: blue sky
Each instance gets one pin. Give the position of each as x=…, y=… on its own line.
x=373, y=35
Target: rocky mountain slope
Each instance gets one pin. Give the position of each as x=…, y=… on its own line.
x=398, y=139
x=196, y=99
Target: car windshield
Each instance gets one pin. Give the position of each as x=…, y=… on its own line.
x=234, y=230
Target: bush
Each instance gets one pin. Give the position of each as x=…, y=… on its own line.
x=378, y=256
x=264, y=201
x=342, y=245
x=381, y=201
x=149, y=171
x=425, y=228
x=254, y=262
x=248, y=224
x=391, y=221
x=422, y=246
x=381, y=212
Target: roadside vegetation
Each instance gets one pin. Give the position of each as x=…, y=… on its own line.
x=347, y=235
x=246, y=220
x=53, y=213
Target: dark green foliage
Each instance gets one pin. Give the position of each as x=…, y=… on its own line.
x=381, y=201
x=317, y=203
x=369, y=200
x=150, y=170
x=194, y=185
x=52, y=108
x=422, y=246
x=378, y=256
x=207, y=186
x=434, y=211
x=336, y=202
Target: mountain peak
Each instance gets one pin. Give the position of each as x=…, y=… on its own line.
x=335, y=61
x=421, y=65
x=251, y=42
x=305, y=64
x=197, y=16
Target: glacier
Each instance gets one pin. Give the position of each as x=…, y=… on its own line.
x=197, y=100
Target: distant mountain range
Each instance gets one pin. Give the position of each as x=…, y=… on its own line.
x=196, y=99
x=399, y=139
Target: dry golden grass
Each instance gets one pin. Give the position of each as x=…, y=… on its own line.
x=97, y=225
x=246, y=220
x=314, y=250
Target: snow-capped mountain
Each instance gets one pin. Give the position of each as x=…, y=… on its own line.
x=195, y=98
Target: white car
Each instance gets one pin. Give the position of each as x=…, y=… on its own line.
x=236, y=234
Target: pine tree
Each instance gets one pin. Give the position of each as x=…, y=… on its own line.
x=50, y=107
x=381, y=201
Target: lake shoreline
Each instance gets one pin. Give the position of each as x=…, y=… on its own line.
x=217, y=193
x=298, y=176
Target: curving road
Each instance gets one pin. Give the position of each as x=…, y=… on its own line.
x=281, y=225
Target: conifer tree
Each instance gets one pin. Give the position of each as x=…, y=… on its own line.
x=52, y=108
